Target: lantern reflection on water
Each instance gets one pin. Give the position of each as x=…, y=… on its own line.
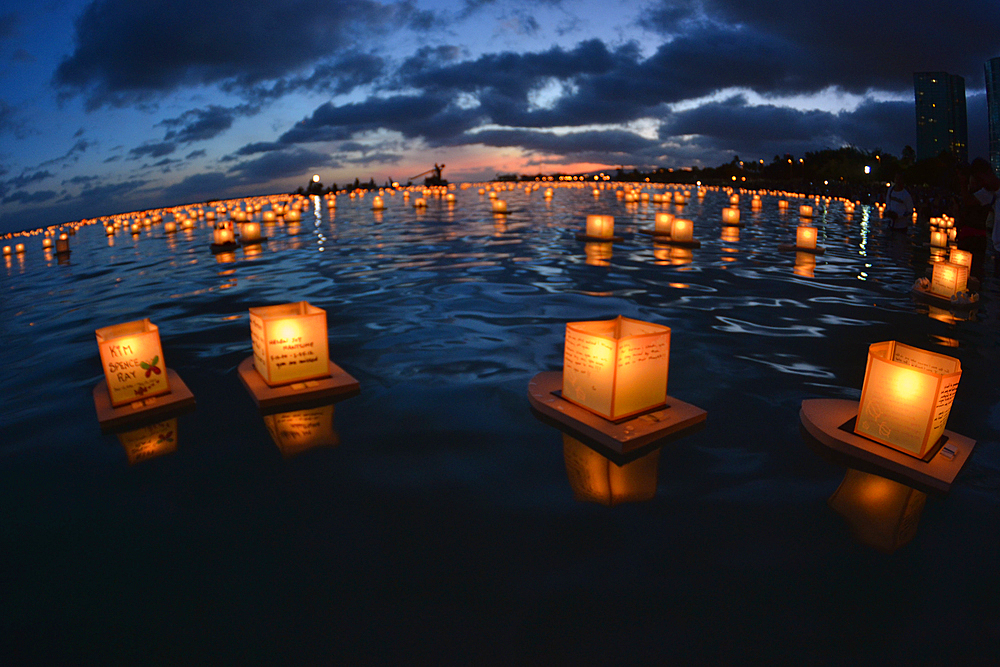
x=805, y=264
x=598, y=253
x=297, y=431
x=595, y=478
x=881, y=513
x=616, y=368
x=149, y=441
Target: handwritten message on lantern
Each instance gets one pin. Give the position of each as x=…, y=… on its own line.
x=616, y=368
x=132, y=360
x=907, y=396
x=289, y=342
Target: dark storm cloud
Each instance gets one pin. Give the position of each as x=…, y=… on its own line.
x=127, y=51
x=425, y=115
x=336, y=77
x=27, y=179
x=30, y=197
x=610, y=142
x=200, y=187
x=261, y=147
x=876, y=44
x=203, y=124
x=194, y=154
x=152, y=150
x=765, y=130
x=8, y=23
x=281, y=164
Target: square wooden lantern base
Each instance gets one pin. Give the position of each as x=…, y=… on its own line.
x=825, y=420
x=339, y=383
x=112, y=418
x=621, y=437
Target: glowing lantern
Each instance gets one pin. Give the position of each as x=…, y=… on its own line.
x=782, y=205
x=499, y=206
x=952, y=233
x=805, y=237
x=731, y=216
x=595, y=478
x=548, y=194
x=269, y=216
x=377, y=203
x=939, y=239
x=46, y=242
x=109, y=230
x=616, y=368
x=289, y=343
x=734, y=200
x=806, y=211
x=62, y=245
x=907, y=396
x=7, y=250
x=210, y=215
x=450, y=198
x=682, y=230
x=170, y=227
x=19, y=248
x=420, y=202
x=600, y=226
x=960, y=257
x=223, y=236
x=250, y=232
x=331, y=202
x=293, y=215
x=188, y=223
x=133, y=361
x=948, y=279
x=664, y=223
x=595, y=192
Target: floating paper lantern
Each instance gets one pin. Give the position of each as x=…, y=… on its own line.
x=109, y=230
x=939, y=239
x=19, y=248
x=499, y=206
x=46, y=243
x=782, y=205
x=600, y=226
x=62, y=244
x=960, y=257
x=682, y=230
x=7, y=250
x=595, y=478
x=731, y=216
x=548, y=194
x=170, y=227
x=948, y=279
x=223, y=236
x=805, y=237
x=250, y=232
x=806, y=211
x=679, y=199
x=664, y=223
x=450, y=198
x=595, y=192
x=907, y=396
x=133, y=362
x=616, y=368
x=289, y=343
x=734, y=200
x=135, y=228
x=188, y=223
x=269, y=216
x=420, y=202
x=377, y=203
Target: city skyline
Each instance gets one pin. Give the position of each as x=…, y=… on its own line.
x=110, y=106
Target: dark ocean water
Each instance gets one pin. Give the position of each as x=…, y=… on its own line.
x=443, y=527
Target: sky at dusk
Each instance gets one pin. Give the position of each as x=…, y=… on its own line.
x=109, y=106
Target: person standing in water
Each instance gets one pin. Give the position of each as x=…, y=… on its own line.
x=898, y=205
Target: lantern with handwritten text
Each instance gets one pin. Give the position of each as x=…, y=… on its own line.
x=289, y=343
x=907, y=396
x=132, y=359
x=948, y=279
x=616, y=368
x=961, y=257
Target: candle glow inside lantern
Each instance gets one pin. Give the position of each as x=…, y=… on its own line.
x=731, y=215
x=664, y=223
x=682, y=230
x=806, y=211
x=250, y=232
x=133, y=362
x=939, y=239
x=906, y=397
x=223, y=236
x=805, y=237
x=289, y=343
x=601, y=226
x=961, y=257
x=62, y=244
x=616, y=368
x=782, y=205
x=948, y=279
x=377, y=203
x=499, y=206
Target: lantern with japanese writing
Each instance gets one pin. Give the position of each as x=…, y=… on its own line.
x=616, y=368
x=948, y=279
x=601, y=226
x=133, y=363
x=289, y=343
x=907, y=397
x=962, y=257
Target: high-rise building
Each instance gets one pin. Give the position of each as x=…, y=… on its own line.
x=993, y=109
x=941, y=118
